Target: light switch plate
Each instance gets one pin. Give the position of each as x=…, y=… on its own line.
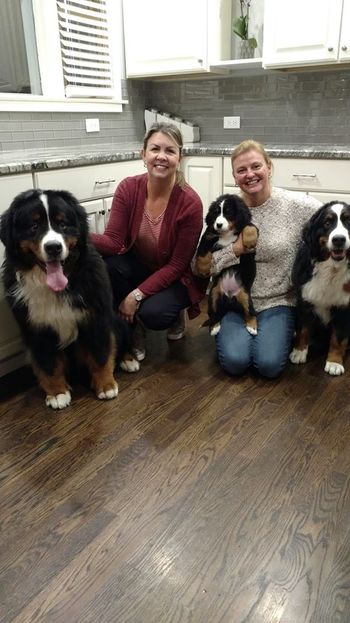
x=92, y=125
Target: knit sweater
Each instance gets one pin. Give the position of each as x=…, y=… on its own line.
x=280, y=221
x=180, y=231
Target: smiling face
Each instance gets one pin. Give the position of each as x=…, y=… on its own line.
x=251, y=173
x=161, y=156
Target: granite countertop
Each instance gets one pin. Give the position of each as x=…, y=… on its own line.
x=60, y=158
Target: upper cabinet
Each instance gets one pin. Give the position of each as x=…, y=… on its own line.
x=306, y=33
x=183, y=37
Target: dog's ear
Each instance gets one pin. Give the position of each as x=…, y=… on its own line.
x=310, y=233
x=244, y=216
x=80, y=212
x=6, y=228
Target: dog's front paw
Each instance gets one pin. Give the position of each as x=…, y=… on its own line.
x=60, y=401
x=130, y=364
x=109, y=392
x=251, y=330
x=298, y=356
x=249, y=236
x=333, y=368
x=215, y=329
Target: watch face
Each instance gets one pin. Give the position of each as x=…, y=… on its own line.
x=138, y=296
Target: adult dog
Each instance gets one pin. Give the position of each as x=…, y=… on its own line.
x=59, y=291
x=227, y=218
x=321, y=276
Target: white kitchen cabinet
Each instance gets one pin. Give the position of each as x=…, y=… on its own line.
x=325, y=179
x=12, y=351
x=300, y=33
x=183, y=37
x=89, y=182
x=204, y=174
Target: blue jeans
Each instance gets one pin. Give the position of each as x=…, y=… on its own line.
x=267, y=352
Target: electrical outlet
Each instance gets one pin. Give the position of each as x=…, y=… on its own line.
x=232, y=123
x=92, y=125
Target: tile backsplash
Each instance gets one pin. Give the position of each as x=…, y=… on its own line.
x=304, y=108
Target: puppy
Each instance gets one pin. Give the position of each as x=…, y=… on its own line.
x=59, y=291
x=227, y=218
x=321, y=277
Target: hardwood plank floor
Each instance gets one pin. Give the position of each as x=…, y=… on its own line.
x=191, y=498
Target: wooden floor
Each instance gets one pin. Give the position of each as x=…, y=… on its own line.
x=191, y=498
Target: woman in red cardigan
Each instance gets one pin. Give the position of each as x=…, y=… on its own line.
x=152, y=234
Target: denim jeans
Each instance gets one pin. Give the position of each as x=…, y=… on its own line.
x=267, y=352
x=157, y=312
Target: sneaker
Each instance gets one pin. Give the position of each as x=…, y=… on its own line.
x=138, y=341
x=178, y=329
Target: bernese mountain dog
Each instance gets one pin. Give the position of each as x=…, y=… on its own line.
x=321, y=276
x=228, y=217
x=59, y=291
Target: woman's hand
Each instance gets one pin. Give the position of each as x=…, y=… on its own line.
x=128, y=307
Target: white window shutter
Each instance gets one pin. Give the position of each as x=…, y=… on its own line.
x=85, y=48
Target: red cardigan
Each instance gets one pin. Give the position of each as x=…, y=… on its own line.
x=178, y=239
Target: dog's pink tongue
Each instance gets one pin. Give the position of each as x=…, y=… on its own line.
x=55, y=277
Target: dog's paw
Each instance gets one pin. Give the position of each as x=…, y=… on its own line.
x=333, y=368
x=60, y=401
x=251, y=330
x=130, y=365
x=215, y=329
x=108, y=394
x=249, y=236
x=298, y=356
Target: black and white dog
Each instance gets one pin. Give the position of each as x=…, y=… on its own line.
x=227, y=218
x=59, y=290
x=321, y=276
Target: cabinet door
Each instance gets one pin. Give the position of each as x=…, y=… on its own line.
x=204, y=174
x=12, y=351
x=96, y=215
x=301, y=32
x=344, y=43
x=165, y=38
x=89, y=182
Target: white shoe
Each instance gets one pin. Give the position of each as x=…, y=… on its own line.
x=178, y=329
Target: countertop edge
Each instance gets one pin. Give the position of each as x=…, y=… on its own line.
x=29, y=163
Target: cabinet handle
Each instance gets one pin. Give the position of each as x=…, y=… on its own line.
x=307, y=175
x=344, y=48
x=104, y=182
x=330, y=49
x=200, y=61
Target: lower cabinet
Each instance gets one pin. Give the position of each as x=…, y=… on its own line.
x=12, y=351
x=204, y=174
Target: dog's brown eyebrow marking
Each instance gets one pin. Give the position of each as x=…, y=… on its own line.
x=36, y=216
x=60, y=216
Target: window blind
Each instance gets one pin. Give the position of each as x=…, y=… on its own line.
x=85, y=48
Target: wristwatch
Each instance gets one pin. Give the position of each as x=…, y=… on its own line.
x=138, y=296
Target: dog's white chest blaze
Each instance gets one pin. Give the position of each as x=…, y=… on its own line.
x=48, y=309
x=325, y=288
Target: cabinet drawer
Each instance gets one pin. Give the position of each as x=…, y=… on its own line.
x=309, y=174
x=90, y=181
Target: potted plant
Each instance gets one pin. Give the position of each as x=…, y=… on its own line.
x=241, y=29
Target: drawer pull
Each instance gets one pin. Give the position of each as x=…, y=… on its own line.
x=304, y=175
x=330, y=49
x=344, y=48
x=104, y=182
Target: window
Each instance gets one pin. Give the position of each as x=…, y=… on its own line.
x=60, y=55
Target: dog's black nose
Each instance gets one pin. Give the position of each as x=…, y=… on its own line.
x=53, y=248
x=338, y=241
x=218, y=225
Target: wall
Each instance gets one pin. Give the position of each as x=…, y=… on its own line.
x=23, y=130
x=310, y=108
x=305, y=108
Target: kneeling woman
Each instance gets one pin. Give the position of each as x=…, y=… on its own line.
x=151, y=236
x=279, y=215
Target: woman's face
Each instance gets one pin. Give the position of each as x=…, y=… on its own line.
x=161, y=156
x=251, y=173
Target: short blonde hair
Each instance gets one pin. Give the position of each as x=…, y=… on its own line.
x=248, y=145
